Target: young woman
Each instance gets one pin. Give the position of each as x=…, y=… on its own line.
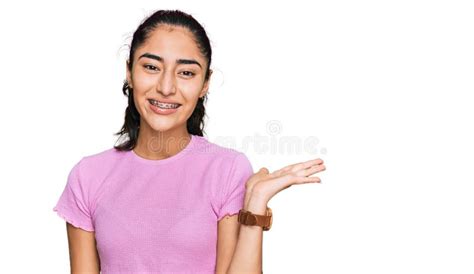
x=166, y=199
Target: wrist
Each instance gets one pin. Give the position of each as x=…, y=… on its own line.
x=256, y=205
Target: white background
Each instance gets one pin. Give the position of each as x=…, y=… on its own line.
x=380, y=90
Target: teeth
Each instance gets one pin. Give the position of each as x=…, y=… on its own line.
x=163, y=105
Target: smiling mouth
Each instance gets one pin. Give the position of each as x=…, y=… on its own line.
x=163, y=105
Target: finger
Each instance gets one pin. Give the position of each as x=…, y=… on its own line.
x=307, y=164
x=303, y=165
x=288, y=180
x=304, y=180
x=311, y=170
x=298, y=166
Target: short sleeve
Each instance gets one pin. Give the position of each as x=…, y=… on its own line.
x=73, y=205
x=233, y=193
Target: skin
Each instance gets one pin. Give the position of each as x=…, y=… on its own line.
x=260, y=188
x=239, y=247
x=162, y=136
x=83, y=255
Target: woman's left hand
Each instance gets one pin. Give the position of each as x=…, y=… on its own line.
x=262, y=186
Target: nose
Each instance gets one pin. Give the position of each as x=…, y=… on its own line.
x=166, y=83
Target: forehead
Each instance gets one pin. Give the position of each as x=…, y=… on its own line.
x=171, y=42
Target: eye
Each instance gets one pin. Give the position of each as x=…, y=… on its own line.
x=189, y=73
x=150, y=67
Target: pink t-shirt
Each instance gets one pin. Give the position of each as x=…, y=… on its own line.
x=156, y=216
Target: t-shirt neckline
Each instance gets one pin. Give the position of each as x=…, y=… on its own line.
x=170, y=159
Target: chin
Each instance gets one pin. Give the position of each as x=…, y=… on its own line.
x=162, y=125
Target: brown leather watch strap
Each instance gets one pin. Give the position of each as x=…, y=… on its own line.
x=248, y=218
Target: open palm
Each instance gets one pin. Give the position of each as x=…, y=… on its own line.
x=266, y=185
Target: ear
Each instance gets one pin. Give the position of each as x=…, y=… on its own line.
x=129, y=76
x=205, y=88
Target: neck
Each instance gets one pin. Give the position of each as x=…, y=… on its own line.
x=157, y=145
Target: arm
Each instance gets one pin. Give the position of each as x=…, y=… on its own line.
x=239, y=247
x=247, y=257
x=82, y=251
x=227, y=234
x=260, y=188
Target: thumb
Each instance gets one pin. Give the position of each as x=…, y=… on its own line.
x=263, y=170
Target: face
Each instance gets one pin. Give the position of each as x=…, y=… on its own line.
x=156, y=74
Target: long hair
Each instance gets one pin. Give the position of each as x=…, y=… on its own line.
x=195, y=123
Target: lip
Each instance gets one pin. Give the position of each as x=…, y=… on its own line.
x=164, y=101
x=161, y=111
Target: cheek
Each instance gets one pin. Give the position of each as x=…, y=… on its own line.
x=139, y=100
x=190, y=89
x=190, y=97
x=144, y=83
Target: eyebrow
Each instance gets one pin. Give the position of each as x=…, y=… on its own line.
x=178, y=61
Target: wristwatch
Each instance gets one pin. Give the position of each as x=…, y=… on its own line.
x=248, y=218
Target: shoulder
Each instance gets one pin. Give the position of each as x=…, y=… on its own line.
x=101, y=160
x=91, y=169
